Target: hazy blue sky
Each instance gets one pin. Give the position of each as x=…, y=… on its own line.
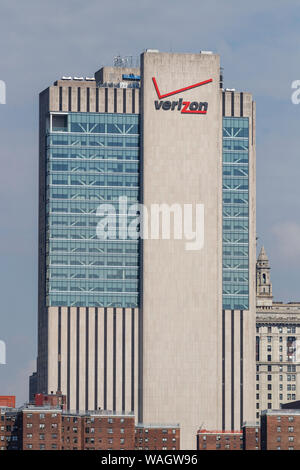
x=41, y=41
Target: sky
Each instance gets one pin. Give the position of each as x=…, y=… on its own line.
x=258, y=42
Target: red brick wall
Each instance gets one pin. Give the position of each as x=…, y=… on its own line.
x=219, y=441
x=157, y=438
x=108, y=432
x=283, y=429
x=251, y=436
x=8, y=400
x=71, y=432
x=41, y=430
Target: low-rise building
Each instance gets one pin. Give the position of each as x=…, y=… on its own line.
x=219, y=440
x=280, y=429
x=47, y=425
x=160, y=437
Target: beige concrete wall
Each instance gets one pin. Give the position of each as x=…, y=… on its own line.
x=182, y=302
x=90, y=348
x=94, y=103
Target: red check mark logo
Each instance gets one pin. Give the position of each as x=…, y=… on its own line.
x=180, y=90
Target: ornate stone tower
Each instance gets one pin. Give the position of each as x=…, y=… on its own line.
x=263, y=281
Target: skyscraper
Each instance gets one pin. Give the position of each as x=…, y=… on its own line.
x=162, y=326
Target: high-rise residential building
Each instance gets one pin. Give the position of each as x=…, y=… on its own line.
x=277, y=338
x=162, y=326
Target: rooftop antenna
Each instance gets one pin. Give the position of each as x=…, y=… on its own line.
x=123, y=61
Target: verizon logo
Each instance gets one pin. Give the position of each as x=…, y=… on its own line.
x=185, y=107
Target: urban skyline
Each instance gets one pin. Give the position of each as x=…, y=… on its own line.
x=291, y=285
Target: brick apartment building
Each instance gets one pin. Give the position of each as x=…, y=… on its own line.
x=219, y=440
x=46, y=425
x=149, y=437
x=251, y=436
x=246, y=439
x=280, y=429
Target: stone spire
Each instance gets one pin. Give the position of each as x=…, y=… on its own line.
x=264, y=295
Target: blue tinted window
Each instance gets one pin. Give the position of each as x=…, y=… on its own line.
x=84, y=170
x=235, y=213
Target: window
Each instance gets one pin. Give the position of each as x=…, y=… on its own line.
x=291, y=428
x=269, y=377
x=42, y=416
x=278, y=429
x=291, y=438
x=291, y=418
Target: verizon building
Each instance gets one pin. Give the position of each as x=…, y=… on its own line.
x=163, y=326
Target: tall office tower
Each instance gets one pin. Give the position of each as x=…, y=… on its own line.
x=163, y=326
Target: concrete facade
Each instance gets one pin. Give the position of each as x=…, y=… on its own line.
x=190, y=323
